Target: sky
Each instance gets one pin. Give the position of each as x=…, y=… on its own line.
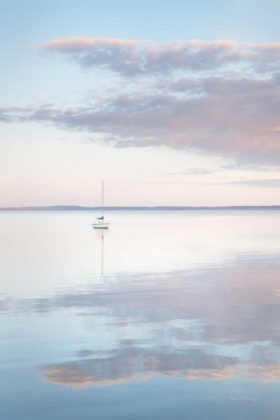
x=170, y=103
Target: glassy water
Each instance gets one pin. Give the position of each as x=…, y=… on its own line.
x=168, y=315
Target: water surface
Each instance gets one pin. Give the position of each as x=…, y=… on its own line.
x=168, y=315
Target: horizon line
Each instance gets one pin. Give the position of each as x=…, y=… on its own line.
x=87, y=208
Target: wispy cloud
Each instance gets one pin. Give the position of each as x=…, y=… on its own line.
x=251, y=167
x=236, y=126
x=267, y=183
x=131, y=57
x=195, y=171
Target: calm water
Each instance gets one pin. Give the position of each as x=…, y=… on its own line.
x=168, y=315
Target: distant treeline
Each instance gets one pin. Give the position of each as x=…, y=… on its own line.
x=83, y=208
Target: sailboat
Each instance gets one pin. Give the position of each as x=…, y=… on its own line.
x=101, y=224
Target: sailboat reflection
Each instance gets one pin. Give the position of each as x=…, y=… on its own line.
x=100, y=234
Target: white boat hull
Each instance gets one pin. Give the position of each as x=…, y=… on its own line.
x=100, y=225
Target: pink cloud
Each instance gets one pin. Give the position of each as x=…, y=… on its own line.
x=132, y=57
x=232, y=117
x=199, y=96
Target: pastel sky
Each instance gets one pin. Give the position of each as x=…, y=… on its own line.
x=171, y=103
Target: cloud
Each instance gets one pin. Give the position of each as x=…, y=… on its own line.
x=248, y=167
x=136, y=57
x=214, y=97
x=267, y=183
x=195, y=171
x=234, y=125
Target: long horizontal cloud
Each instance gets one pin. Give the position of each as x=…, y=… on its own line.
x=267, y=183
x=224, y=121
x=132, y=57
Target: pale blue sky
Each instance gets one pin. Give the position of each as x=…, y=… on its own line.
x=208, y=153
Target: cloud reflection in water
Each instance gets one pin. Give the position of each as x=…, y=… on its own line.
x=214, y=324
x=209, y=324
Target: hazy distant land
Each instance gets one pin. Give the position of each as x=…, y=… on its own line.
x=84, y=208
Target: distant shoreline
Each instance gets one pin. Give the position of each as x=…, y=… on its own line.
x=179, y=208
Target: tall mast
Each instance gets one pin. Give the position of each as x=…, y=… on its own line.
x=102, y=199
